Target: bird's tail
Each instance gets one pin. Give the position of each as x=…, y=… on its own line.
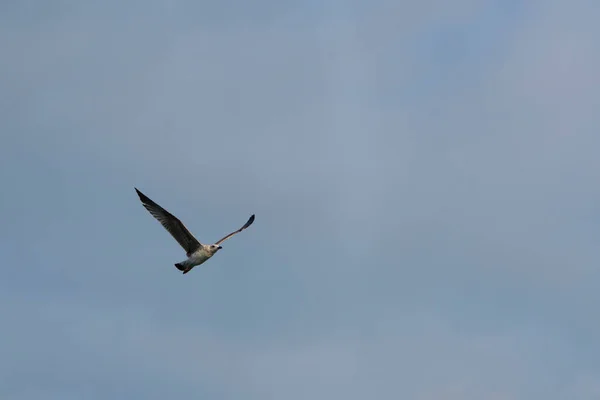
x=182, y=267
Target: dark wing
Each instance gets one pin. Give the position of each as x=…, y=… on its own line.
x=171, y=223
x=247, y=224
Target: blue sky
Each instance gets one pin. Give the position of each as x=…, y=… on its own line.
x=424, y=177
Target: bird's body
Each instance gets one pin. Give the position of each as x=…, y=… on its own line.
x=196, y=258
x=196, y=252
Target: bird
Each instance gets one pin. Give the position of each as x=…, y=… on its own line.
x=196, y=252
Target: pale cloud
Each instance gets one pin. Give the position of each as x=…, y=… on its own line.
x=389, y=359
x=435, y=160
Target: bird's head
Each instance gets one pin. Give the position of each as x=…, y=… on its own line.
x=213, y=248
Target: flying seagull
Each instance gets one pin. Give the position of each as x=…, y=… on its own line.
x=196, y=252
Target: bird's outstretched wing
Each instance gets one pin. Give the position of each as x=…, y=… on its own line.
x=247, y=224
x=171, y=223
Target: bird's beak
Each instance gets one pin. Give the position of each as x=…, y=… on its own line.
x=219, y=247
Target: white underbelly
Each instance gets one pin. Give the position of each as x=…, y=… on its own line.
x=198, y=257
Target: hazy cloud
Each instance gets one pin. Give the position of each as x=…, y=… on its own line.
x=424, y=178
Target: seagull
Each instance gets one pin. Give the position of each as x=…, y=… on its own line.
x=196, y=252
